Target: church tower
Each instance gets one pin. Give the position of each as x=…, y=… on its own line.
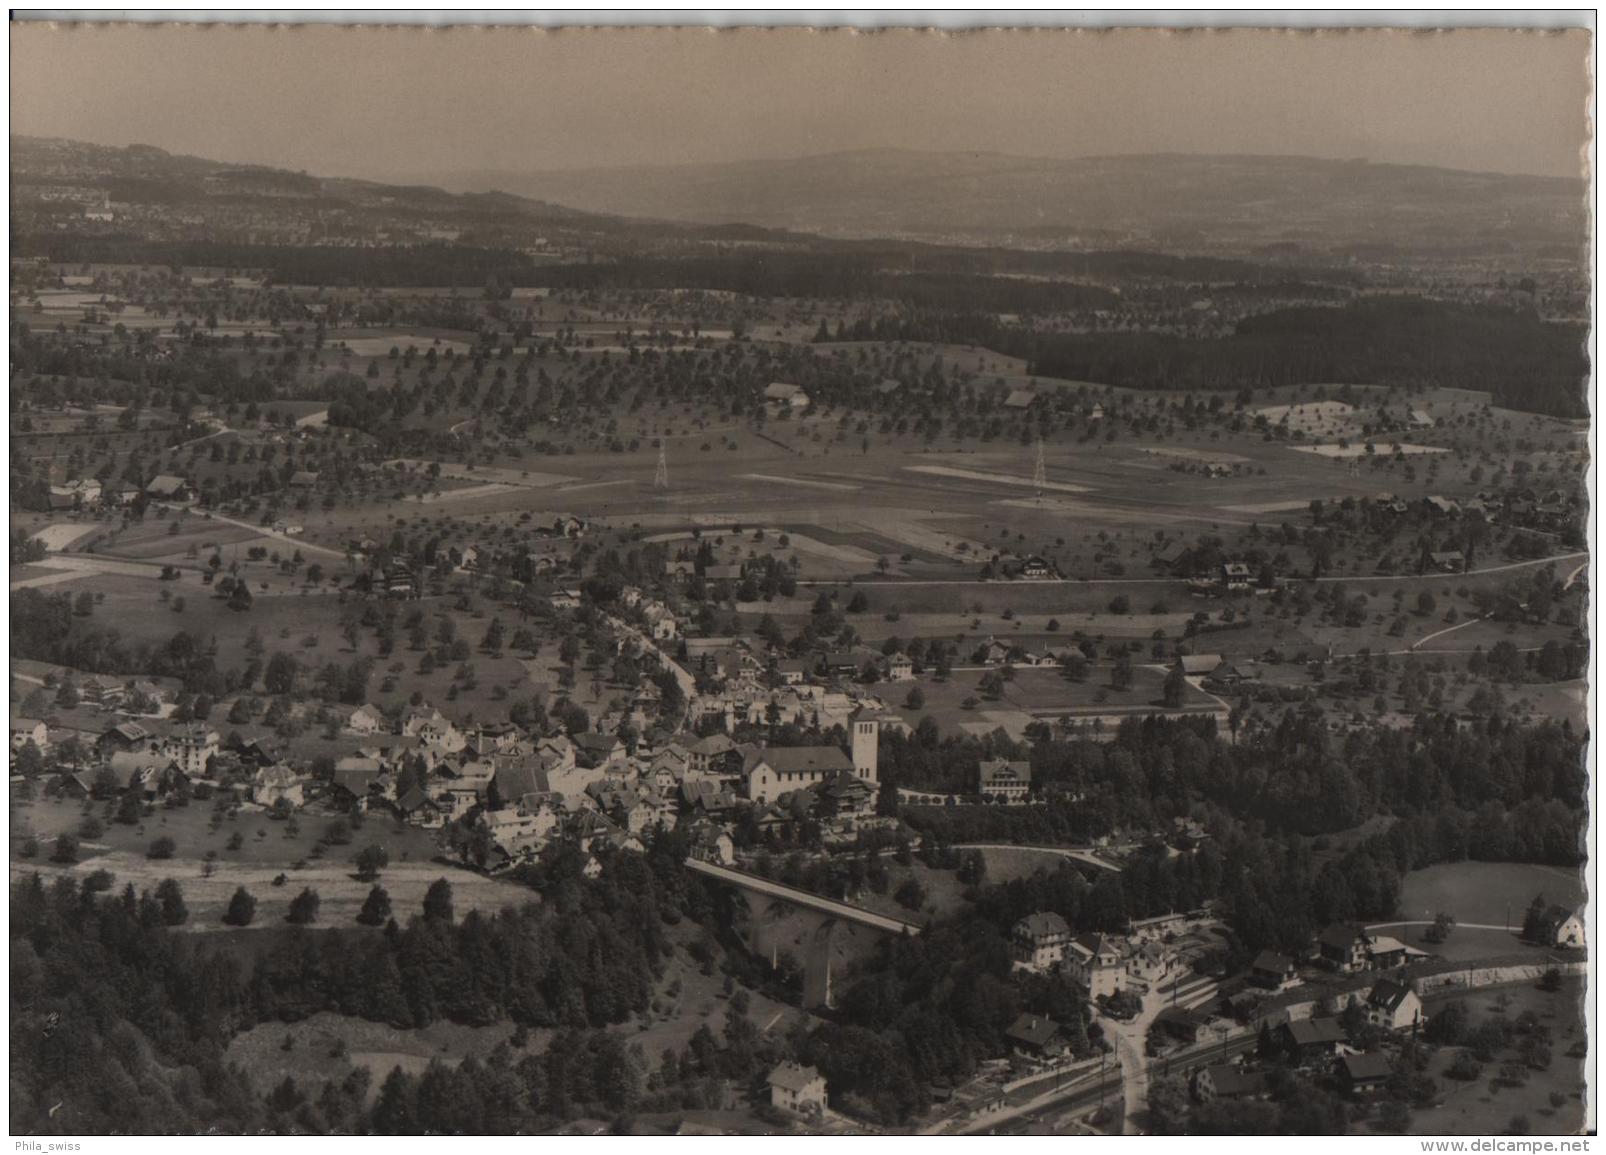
x=866, y=748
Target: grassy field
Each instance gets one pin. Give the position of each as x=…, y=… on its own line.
x=1487, y=1106
x=1005, y=864
x=267, y=850
x=1491, y=893
x=1043, y=693
x=328, y=1046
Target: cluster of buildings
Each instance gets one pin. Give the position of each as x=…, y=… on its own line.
x=510, y=794
x=89, y=493
x=1104, y=965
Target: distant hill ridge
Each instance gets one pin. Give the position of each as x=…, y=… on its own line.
x=904, y=192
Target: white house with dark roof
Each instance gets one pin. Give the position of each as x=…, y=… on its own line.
x=1393, y=1006
x=1010, y=781
x=25, y=730
x=797, y=1089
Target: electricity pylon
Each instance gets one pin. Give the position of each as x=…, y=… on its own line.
x=1039, y=472
x=660, y=480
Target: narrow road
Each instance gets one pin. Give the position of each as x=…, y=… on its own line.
x=1134, y=1069
x=1449, y=630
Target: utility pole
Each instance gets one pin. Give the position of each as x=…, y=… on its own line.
x=1039, y=473
x=660, y=479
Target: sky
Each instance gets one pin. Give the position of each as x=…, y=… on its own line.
x=403, y=103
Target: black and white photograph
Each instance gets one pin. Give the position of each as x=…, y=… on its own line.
x=760, y=579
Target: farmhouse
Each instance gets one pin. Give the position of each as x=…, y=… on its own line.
x=104, y=692
x=1019, y=399
x=166, y=487
x=150, y=771
x=123, y=736
x=1198, y=665
x=782, y=393
x=1448, y=561
x=797, y=1089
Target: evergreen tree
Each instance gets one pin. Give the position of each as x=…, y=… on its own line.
x=171, y=898
x=242, y=908
x=375, y=908
x=304, y=907
x=438, y=901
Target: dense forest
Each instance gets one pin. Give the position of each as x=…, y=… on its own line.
x=123, y=1021
x=1289, y=773
x=1525, y=363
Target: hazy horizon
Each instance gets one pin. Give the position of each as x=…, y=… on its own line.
x=419, y=105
